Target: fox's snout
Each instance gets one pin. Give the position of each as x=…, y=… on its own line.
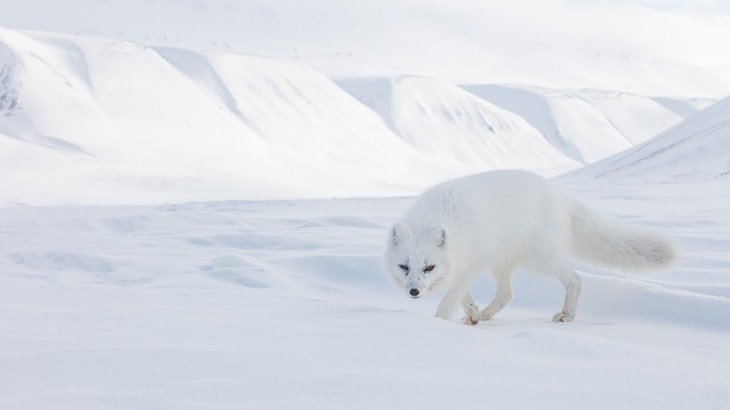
x=415, y=287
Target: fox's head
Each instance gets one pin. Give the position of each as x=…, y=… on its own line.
x=418, y=261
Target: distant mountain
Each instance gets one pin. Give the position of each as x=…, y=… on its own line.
x=97, y=120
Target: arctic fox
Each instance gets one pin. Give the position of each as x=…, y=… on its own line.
x=498, y=220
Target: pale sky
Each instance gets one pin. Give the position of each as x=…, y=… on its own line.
x=694, y=32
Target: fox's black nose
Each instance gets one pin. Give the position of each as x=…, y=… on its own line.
x=414, y=292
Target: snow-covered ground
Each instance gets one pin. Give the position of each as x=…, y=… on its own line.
x=284, y=304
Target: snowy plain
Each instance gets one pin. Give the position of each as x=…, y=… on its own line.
x=284, y=304
x=147, y=262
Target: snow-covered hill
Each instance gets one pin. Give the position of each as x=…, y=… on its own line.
x=442, y=119
x=588, y=125
x=112, y=121
x=585, y=125
x=96, y=120
x=158, y=101
x=696, y=150
x=90, y=120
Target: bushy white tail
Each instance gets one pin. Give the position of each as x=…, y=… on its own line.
x=606, y=242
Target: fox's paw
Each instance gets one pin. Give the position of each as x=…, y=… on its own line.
x=472, y=315
x=563, y=317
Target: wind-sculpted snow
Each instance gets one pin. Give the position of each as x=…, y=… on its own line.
x=60, y=261
x=441, y=118
x=285, y=304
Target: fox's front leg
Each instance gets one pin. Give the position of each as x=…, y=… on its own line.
x=471, y=310
x=446, y=308
x=454, y=295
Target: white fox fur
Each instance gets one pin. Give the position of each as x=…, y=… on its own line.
x=498, y=220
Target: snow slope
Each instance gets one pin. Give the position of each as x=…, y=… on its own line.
x=696, y=150
x=441, y=118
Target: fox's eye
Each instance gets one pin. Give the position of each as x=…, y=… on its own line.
x=429, y=268
x=404, y=267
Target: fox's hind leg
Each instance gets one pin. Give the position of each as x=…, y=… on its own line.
x=571, y=281
x=561, y=270
x=502, y=293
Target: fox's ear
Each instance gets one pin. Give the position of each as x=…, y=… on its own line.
x=438, y=235
x=398, y=234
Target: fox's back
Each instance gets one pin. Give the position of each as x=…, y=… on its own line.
x=493, y=194
x=491, y=212
x=509, y=186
